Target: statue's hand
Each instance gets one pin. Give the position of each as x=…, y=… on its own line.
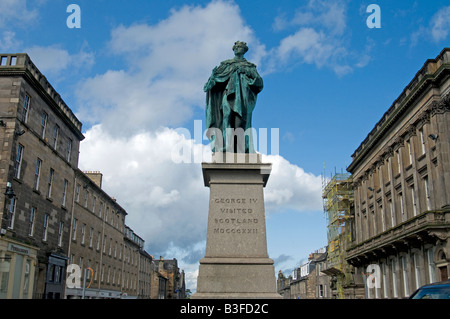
x=244, y=70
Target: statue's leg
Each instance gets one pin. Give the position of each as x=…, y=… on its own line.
x=240, y=144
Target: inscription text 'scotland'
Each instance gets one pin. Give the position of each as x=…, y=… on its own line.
x=235, y=220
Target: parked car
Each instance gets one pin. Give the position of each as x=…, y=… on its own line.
x=437, y=290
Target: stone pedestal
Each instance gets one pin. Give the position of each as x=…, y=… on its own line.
x=236, y=263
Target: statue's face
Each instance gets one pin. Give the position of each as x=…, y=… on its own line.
x=239, y=50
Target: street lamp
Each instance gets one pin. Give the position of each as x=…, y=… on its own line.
x=9, y=191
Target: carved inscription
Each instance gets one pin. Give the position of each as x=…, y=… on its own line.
x=235, y=216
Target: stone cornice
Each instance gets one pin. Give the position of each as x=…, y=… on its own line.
x=430, y=75
x=26, y=69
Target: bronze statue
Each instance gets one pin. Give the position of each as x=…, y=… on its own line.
x=231, y=93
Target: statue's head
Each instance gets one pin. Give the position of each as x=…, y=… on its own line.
x=241, y=46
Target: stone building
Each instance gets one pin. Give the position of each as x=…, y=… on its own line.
x=322, y=279
x=283, y=285
x=401, y=174
x=307, y=281
x=96, y=238
x=145, y=274
x=54, y=216
x=167, y=280
x=133, y=245
x=39, y=142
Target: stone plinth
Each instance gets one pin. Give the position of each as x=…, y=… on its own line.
x=236, y=263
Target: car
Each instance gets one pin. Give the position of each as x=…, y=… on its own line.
x=437, y=290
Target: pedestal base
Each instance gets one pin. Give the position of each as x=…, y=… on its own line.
x=236, y=278
x=236, y=264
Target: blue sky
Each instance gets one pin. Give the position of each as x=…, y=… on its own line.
x=134, y=73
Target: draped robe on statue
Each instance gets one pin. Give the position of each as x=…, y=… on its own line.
x=231, y=93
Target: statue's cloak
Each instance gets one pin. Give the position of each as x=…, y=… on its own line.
x=232, y=87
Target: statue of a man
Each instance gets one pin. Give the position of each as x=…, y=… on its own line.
x=231, y=93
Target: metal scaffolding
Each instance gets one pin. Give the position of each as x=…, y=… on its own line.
x=337, y=202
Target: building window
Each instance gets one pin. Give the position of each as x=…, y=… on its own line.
x=96, y=271
x=74, y=229
x=394, y=278
x=422, y=140
x=431, y=266
x=60, y=233
x=83, y=233
x=37, y=173
x=32, y=219
x=427, y=192
x=69, y=149
x=45, y=233
x=405, y=276
x=18, y=161
x=391, y=209
x=58, y=274
x=98, y=240
x=55, y=136
x=321, y=291
x=51, y=273
x=64, y=192
x=417, y=270
x=385, y=282
x=26, y=108
x=91, y=236
x=94, y=199
x=77, y=193
x=402, y=205
x=50, y=182
x=43, y=124
x=86, y=195
x=413, y=199
x=383, y=222
x=12, y=213
x=104, y=244
x=410, y=152
x=100, y=210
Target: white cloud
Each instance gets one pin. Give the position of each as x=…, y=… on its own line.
x=16, y=13
x=436, y=30
x=167, y=202
x=55, y=62
x=8, y=41
x=168, y=64
x=319, y=38
x=440, y=24
x=330, y=15
x=290, y=187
